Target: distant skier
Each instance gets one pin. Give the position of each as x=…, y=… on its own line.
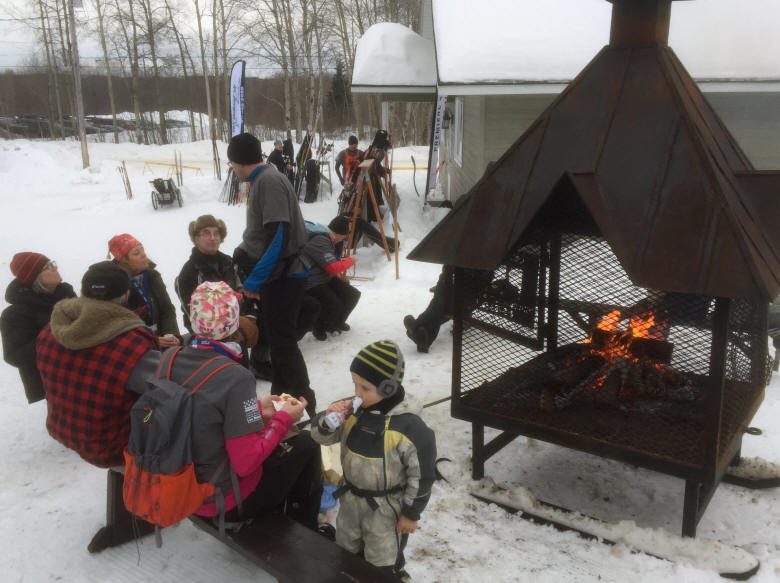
x=347, y=161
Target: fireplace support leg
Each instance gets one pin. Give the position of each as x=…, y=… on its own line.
x=697, y=497
x=477, y=445
x=737, y=457
x=691, y=508
x=481, y=451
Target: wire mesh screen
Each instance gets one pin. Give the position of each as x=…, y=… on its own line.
x=748, y=368
x=560, y=338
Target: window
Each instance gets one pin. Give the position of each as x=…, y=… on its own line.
x=457, y=132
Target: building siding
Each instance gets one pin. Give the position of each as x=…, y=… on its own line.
x=493, y=123
x=754, y=121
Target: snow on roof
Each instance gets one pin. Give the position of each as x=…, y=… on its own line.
x=534, y=40
x=393, y=55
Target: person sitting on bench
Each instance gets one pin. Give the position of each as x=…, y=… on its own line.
x=37, y=286
x=95, y=359
x=96, y=353
x=229, y=421
x=388, y=454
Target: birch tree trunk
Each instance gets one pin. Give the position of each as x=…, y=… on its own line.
x=308, y=21
x=54, y=83
x=146, y=6
x=218, y=121
x=180, y=42
x=280, y=32
x=109, y=83
x=318, y=26
x=217, y=169
x=292, y=51
x=66, y=59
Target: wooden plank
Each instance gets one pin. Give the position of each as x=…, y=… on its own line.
x=293, y=553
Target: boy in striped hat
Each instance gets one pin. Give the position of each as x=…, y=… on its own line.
x=388, y=454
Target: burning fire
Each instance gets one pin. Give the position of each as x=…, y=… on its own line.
x=615, y=346
x=639, y=326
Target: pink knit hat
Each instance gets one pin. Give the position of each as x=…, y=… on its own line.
x=121, y=245
x=214, y=310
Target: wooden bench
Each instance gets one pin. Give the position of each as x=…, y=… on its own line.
x=276, y=543
x=295, y=554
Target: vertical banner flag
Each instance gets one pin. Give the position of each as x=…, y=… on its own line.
x=433, y=157
x=237, y=98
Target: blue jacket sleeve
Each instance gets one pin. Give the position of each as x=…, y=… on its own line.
x=265, y=267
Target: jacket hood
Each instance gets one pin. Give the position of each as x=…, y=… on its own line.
x=83, y=322
x=20, y=293
x=408, y=405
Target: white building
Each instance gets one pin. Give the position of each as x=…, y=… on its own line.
x=500, y=63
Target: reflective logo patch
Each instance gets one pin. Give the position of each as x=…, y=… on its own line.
x=252, y=411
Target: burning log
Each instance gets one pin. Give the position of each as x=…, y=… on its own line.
x=616, y=365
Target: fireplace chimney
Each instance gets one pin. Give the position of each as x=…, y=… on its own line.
x=637, y=23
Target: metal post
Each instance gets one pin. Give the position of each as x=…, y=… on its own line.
x=77, y=86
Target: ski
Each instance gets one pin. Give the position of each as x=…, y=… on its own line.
x=729, y=561
x=755, y=473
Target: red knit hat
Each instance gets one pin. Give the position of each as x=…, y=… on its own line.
x=27, y=265
x=121, y=245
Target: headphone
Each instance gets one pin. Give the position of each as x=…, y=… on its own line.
x=389, y=387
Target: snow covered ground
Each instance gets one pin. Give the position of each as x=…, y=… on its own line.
x=51, y=502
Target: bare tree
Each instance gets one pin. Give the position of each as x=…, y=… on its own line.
x=103, y=45
x=74, y=44
x=53, y=72
x=287, y=20
x=182, y=43
x=151, y=33
x=217, y=169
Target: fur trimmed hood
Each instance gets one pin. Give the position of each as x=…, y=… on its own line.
x=83, y=322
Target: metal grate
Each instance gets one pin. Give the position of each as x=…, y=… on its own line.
x=559, y=338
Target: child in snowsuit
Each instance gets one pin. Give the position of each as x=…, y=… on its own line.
x=388, y=455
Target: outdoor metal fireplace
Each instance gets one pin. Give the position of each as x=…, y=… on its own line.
x=612, y=272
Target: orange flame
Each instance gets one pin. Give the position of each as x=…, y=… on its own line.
x=610, y=322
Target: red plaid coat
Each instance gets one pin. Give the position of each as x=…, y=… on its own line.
x=89, y=408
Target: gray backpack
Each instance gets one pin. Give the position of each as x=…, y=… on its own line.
x=160, y=485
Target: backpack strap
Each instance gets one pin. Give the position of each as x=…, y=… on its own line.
x=166, y=363
x=199, y=376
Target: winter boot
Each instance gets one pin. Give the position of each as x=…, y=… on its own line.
x=260, y=362
x=410, y=324
x=327, y=530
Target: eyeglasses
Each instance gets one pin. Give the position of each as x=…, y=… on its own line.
x=51, y=265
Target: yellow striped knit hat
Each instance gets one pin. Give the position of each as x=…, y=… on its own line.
x=379, y=361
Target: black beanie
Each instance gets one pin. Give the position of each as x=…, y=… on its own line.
x=244, y=149
x=378, y=362
x=104, y=281
x=339, y=225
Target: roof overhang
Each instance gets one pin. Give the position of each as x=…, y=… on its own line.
x=397, y=92
x=555, y=87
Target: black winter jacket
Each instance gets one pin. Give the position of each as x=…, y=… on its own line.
x=20, y=323
x=199, y=268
